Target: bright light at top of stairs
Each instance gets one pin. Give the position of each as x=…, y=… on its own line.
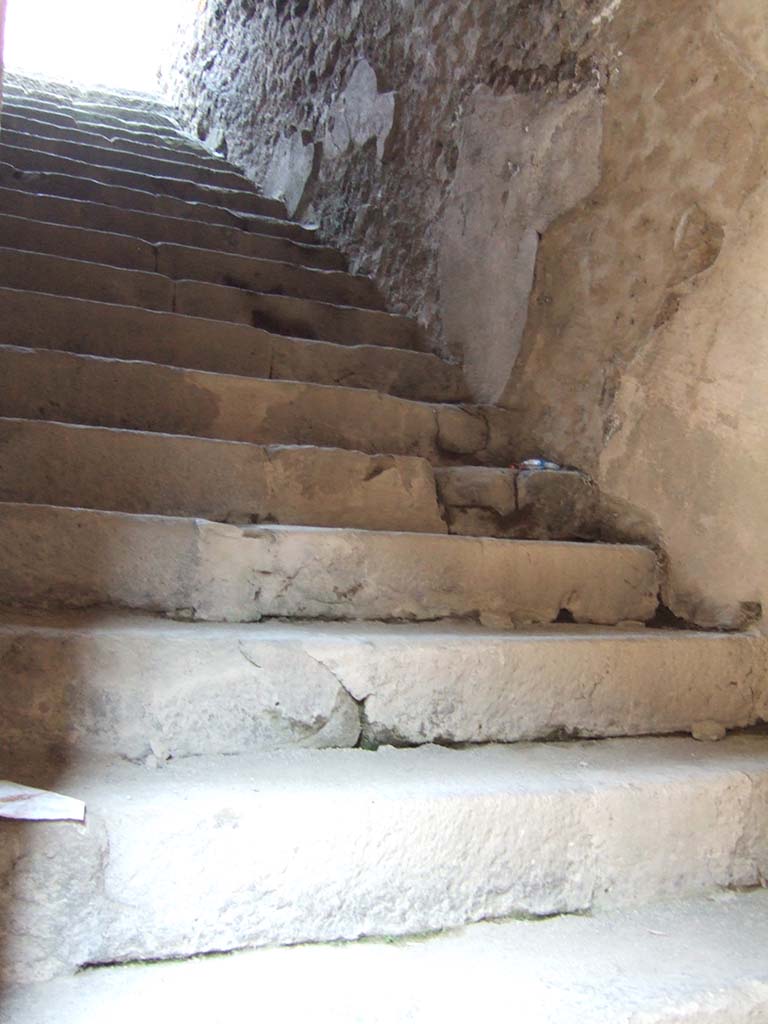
x=94, y=42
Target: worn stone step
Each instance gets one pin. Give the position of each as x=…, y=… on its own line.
x=50, y=463
x=66, y=119
x=84, y=685
x=279, y=314
x=189, y=263
x=215, y=854
x=277, y=239
x=243, y=200
x=32, y=86
x=43, y=123
x=183, y=148
x=39, y=384
x=696, y=961
x=120, y=117
x=301, y=318
x=539, y=504
x=112, y=156
x=69, y=557
x=29, y=318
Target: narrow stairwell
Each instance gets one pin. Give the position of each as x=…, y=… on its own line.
x=274, y=606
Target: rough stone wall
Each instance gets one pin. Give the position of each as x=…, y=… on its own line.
x=571, y=195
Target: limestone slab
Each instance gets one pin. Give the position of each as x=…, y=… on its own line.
x=698, y=961
x=58, y=275
x=156, y=184
x=60, y=464
x=267, y=275
x=38, y=384
x=126, y=332
x=280, y=240
x=303, y=318
x=211, y=571
x=73, y=187
x=324, y=845
x=93, y=684
x=114, y=156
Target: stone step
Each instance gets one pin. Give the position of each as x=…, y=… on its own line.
x=189, y=263
x=65, y=119
x=128, y=99
x=221, y=853
x=267, y=238
x=120, y=117
x=73, y=187
x=244, y=200
x=71, y=557
x=538, y=504
x=40, y=384
x=85, y=685
x=42, y=123
x=696, y=961
x=182, y=149
x=222, y=481
x=112, y=156
x=37, y=320
x=279, y=314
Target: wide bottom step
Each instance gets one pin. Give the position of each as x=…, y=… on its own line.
x=212, y=854
x=696, y=962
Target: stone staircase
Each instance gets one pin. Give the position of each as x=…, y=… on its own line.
x=249, y=615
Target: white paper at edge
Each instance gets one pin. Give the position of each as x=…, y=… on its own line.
x=22, y=803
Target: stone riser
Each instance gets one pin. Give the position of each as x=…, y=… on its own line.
x=113, y=156
x=274, y=239
x=219, y=854
x=41, y=385
x=215, y=572
x=109, y=685
x=294, y=317
x=237, y=200
x=124, y=332
x=138, y=121
x=55, y=464
x=72, y=187
x=180, y=148
x=188, y=263
x=698, y=961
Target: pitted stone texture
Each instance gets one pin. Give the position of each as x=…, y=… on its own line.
x=123, y=332
x=216, y=572
x=537, y=504
x=84, y=685
x=51, y=463
x=102, y=684
x=254, y=75
x=696, y=961
x=215, y=854
x=42, y=385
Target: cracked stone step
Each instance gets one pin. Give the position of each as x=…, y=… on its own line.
x=37, y=384
x=243, y=200
x=224, y=481
x=73, y=187
x=112, y=156
x=127, y=332
x=262, y=237
x=192, y=263
x=44, y=124
x=279, y=314
x=538, y=504
x=696, y=961
x=72, y=557
x=98, y=684
x=331, y=844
